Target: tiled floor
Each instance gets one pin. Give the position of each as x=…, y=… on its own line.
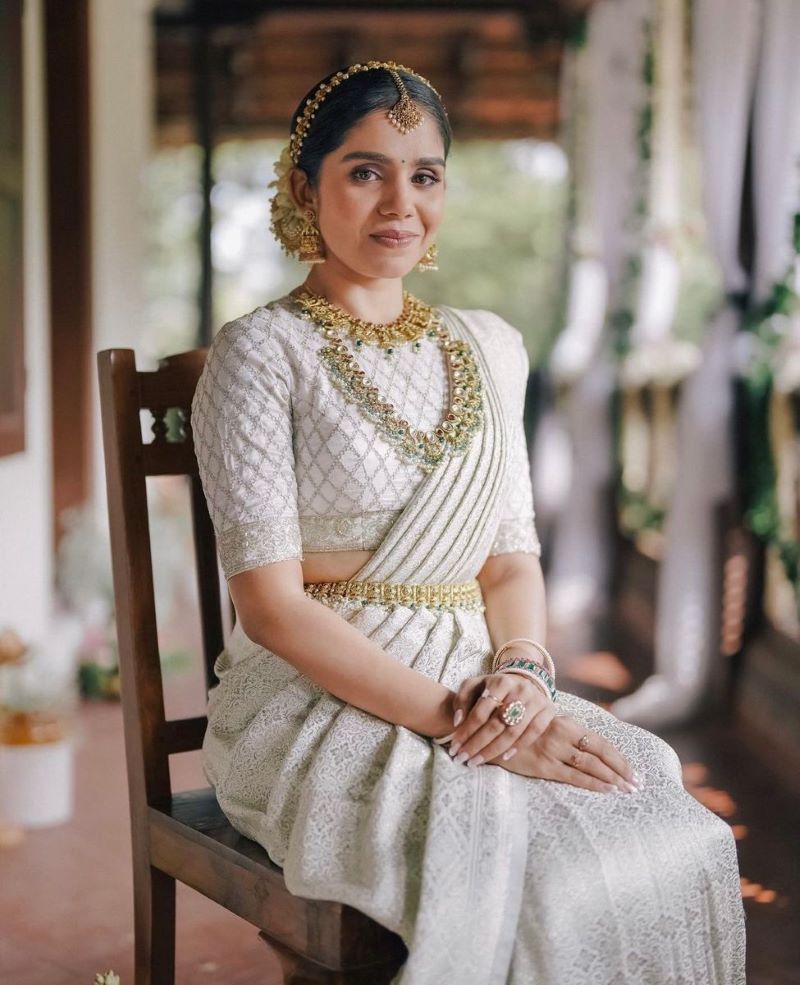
x=65, y=893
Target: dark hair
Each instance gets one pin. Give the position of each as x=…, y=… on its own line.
x=351, y=101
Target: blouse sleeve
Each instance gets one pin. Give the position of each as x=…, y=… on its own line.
x=517, y=530
x=242, y=426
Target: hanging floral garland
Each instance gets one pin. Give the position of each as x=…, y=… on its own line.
x=653, y=359
x=770, y=381
x=628, y=417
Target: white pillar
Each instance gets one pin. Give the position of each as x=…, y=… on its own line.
x=121, y=45
x=26, y=555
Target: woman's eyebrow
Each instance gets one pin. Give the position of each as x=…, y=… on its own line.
x=367, y=155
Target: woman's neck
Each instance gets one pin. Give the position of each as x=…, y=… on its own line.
x=375, y=300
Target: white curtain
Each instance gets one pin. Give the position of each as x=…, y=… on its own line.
x=725, y=50
x=612, y=87
x=776, y=142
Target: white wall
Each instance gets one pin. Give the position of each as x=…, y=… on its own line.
x=26, y=567
x=121, y=93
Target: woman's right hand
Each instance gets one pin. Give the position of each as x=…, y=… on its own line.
x=598, y=766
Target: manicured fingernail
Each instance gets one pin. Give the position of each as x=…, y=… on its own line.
x=611, y=788
x=454, y=747
x=628, y=786
x=475, y=761
x=444, y=738
x=509, y=753
x=461, y=757
x=458, y=718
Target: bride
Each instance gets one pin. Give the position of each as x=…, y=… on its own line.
x=387, y=723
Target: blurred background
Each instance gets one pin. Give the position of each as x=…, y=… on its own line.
x=624, y=188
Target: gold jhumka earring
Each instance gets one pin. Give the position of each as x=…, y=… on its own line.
x=428, y=259
x=310, y=247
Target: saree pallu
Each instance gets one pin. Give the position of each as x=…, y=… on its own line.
x=490, y=878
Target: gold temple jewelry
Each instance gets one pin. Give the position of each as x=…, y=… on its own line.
x=310, y=245
x=428, y=260
x=415, y=318
x=405, y=115
x=400, y=110
x=433, y=595
x=425, y=448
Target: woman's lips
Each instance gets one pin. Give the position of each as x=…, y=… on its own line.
x=394, y=241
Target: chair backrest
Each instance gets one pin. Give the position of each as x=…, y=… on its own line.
x=124, y=392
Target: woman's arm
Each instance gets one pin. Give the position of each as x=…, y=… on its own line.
x=513, y=592
x=514, y=595
x=276, y=613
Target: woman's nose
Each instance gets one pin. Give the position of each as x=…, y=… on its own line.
x=397, y=199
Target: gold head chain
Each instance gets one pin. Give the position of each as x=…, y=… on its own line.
x=405, y=115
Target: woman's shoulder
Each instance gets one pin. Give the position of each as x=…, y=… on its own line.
x=271, y=320
x=258, y=346
x=484, y=321
x=488, y=324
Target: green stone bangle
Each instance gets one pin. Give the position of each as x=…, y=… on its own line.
x=534, y=668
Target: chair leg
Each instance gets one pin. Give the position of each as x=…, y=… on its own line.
x=299, y=971
x=154, y=923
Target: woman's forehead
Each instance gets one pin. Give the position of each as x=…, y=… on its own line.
x=375, y=136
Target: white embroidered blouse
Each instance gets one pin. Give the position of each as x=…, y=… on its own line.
x=291, y=465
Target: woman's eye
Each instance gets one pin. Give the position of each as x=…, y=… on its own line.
x=359, y=173
x=429, y=179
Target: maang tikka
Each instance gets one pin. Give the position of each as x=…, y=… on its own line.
x=296, y=231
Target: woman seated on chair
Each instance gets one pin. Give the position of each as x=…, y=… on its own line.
x=387, y=723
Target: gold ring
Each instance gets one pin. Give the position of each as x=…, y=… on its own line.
x=583, y=743
x=488, y=694
x=574, y=759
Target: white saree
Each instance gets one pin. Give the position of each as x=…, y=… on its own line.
x=490, y=878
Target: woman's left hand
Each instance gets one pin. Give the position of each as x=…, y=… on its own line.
x=481, y=732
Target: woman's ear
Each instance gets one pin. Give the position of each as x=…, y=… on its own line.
x=302, y=194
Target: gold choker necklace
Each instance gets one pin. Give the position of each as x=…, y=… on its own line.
x=415, y=318
x=465, y=412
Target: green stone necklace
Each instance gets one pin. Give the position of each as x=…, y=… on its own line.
x=465, y=413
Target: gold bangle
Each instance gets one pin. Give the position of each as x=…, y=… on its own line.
x=550, y=666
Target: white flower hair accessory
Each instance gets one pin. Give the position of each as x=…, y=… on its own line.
x=286, y=223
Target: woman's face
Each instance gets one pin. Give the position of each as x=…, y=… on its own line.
x=380, y=196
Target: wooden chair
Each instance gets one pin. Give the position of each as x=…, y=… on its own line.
x=185, y=836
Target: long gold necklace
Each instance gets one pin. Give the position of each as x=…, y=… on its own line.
x=465, y=412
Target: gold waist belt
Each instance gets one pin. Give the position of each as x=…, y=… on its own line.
x=464, y=594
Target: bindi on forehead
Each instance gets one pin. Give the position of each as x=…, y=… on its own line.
x=366, y=155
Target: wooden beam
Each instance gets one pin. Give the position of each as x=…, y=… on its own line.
x=69, y=190
x=12, y=311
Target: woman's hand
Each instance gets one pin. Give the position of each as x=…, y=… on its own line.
x=556, y=755
x=543, y=744
x=482, y=735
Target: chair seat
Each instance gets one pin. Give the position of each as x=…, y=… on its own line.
x=192, y=841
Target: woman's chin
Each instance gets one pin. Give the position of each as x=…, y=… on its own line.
x=391, y=268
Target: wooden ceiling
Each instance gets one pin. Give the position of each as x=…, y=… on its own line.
x=249, y=62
